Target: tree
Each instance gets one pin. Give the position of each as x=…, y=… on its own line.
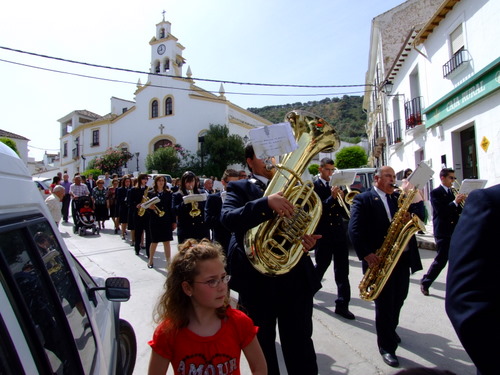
x=164, y=160
x=221, y=149
x=313, y=169
x=112, y=160
x=351, y=157
x=9, y=142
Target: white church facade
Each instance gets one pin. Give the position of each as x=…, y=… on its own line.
x=169, y=109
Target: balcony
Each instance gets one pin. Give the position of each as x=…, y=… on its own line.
x=394, y=132
x=456, y=64
x=413, y=112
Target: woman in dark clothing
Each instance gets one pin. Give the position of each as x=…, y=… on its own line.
x=100, y=207
x=141, y=223
x=122, y=204
x=190, y=217
x=111, y=202
x=161, y=219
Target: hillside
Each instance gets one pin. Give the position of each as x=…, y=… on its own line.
x=345, y=114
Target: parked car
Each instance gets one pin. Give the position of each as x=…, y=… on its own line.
x=43, y=186
x=363, y=180
x=54, y=317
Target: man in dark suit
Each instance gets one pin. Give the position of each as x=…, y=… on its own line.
x=285, y=299
x=90, y=182
x=333, y=243
x=371, y=215
x=471, y=286
x=213, y=207
x=446, y=210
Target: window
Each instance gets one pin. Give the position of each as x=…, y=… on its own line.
x=166, y=65
x=44, y=291
x=457, y=40
x=65, y=149
x=157, y=67
x=162, y=143
x=95, y=137
x=154, y=108
x=168, y=106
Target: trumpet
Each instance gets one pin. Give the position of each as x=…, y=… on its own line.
x=347, y=200
x=152, y=202
x=455, y=191
x=194, y=199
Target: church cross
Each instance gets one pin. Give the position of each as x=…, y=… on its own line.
x=161, y=127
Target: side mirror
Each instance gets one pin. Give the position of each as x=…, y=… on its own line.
x=117, y=289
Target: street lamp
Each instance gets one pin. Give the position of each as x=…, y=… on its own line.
x=137, y=159
x=83, y=158
x=245, y=140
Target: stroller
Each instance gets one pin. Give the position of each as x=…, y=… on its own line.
x=83, y=216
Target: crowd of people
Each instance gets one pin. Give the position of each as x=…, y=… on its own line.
x=212, y=257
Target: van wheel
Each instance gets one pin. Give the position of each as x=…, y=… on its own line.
x=127, y=349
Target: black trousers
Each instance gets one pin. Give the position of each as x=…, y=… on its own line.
x=65, y=206
x=287, y=301
x=141, y=224
x=327, y=250
x=443, y=247
x=389, y=303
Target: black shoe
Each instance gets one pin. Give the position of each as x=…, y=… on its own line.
x=344, y=312
x=389, y=358
x=137, y=252
x=424, y=290
x=151, y=265
x=116, y=231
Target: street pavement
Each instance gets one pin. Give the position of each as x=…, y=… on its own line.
x=342, y=346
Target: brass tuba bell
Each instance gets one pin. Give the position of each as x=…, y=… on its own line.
x=275, y=246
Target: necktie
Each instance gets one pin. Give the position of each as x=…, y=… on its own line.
x=391, y=204
x=327, y=185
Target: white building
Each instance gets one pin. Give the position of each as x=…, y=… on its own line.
x=437, y=99
x=20, y=141
x=167, y=110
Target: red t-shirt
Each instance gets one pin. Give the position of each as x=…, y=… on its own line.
x=192, y=354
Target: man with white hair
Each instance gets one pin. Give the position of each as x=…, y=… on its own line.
x=54, y=202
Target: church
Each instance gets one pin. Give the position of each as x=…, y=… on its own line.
x=169, y=109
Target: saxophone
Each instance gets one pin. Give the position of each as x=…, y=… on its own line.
x=274, y=247
x=398, y=236
x=141, y=211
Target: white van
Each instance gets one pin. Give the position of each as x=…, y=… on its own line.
x=54, y=317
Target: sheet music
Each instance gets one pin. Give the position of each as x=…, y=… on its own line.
x=420, y=175
x=273, y=140
x=194, y=198
x=342, y=178
x=469, y=185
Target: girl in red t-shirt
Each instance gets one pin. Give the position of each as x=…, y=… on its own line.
x=199, y=332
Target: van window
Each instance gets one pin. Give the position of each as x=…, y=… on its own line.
x=43, y=288
x=362, y=182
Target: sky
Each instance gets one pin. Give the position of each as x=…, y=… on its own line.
x=285, y=42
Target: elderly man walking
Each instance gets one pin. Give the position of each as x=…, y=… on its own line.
x=54, y=203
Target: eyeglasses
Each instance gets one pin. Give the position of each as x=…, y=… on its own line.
x=452, y=178
x=214, y=283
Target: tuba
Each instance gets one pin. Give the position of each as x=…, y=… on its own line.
x=396, y=240
x=275, y=247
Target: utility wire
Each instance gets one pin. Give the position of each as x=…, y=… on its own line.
x=174, y=76
x=175, y=88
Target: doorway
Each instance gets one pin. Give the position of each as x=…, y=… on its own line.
x=469, y=156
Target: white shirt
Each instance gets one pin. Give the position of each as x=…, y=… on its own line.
x=54, y=205
x=383, y=197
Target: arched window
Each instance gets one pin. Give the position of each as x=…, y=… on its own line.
x=168, y=106
x=162, y=143
x=154, y=108
x=162, y=33
x=166, y=65
x=157, y=67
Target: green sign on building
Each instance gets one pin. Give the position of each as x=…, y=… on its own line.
x=480, y=85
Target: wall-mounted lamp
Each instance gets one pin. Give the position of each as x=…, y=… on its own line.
x=245, y=139
x=387, y=87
